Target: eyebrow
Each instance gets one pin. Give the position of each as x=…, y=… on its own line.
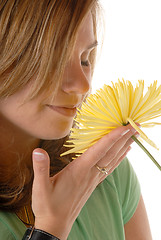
x=93, y=45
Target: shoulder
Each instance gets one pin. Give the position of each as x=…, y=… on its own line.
x=126, y=184
x=126, y=179
x=123, y=176
x=5, y=234
x=11, y=228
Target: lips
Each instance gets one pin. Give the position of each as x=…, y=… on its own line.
x=69, y=111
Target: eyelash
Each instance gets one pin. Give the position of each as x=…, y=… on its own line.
x=85, y=63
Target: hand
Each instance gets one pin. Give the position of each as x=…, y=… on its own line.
x=58, y=200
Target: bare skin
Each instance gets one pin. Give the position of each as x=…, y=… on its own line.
x=108, y=151
x=33, y=121
x=49, y=193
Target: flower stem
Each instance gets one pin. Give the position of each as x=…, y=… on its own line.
x=146, y=151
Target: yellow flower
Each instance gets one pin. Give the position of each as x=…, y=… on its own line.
x=111, y=107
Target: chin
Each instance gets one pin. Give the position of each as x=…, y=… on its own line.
x=53, y=131
x=54, y=135
x=59, y=136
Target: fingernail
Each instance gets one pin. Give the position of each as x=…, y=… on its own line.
x=123, y=133
x=39, y=156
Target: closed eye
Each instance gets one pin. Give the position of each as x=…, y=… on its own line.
x=86, y=54
x=85, y=63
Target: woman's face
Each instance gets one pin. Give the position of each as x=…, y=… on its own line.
x=44, y=119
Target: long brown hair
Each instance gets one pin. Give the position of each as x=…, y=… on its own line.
x=37, y=39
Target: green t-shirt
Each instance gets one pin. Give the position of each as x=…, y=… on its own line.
x=110, y=206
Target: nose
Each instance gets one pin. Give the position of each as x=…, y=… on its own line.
x=76, y=79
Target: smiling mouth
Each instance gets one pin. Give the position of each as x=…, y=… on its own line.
x=66, y=111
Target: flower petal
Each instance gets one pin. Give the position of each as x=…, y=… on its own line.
x=142, y=134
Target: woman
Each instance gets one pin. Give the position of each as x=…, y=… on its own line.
x=48, y=51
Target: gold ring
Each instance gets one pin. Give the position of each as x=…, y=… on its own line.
x=102, y=169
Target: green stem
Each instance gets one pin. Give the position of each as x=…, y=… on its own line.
x=146, y=151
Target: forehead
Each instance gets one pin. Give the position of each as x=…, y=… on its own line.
x=85, y=33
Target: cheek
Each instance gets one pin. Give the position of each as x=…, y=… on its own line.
x=88, y=74
x=49, y=126
x=35, y=121
x=53, y=130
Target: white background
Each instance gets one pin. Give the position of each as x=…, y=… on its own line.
x=132, y=50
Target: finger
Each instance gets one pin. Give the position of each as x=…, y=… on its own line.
x=119, y=154
x=116, y=150
x=115, y=165
x=100, y=149
x=41, y=167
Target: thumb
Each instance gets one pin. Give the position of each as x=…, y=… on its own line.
x=41, y=167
